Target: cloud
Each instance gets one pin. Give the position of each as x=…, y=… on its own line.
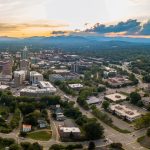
x=8, y=26
x=145, y=29
x=129, y=27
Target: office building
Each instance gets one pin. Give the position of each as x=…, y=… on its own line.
x=24, y=64
x=19, y=77
x=24, y=53
x=35, y=77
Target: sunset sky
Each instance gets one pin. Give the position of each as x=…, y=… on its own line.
x=23, y=18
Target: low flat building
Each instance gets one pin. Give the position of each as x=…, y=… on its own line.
x=67, y=132
x=116, y=97
x=93, y=100
x=56, y=77
x=76, y=86
x=61, y=71
x=124, y=112
x=4, y=87
x=34, y=91
x=46, y=85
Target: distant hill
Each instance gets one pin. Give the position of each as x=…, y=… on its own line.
x=73, y=42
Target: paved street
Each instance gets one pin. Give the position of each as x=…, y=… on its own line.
x=128, y=140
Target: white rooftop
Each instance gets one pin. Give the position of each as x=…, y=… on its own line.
x=125, y=111
x=70, y=129
x=34, y=73
x=93, y=100
x=45, y=84
x=116, y=97
x=76, y=85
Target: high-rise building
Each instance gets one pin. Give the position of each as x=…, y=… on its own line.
x=35, y=77
x=24, y=53
x=75, y=67
x=6, y=67
x=24, y=64
x=19, y=77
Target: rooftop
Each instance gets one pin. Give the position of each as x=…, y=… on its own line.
x=116, y=97
x=76, y=85
x=125, y=111
x=70, y=129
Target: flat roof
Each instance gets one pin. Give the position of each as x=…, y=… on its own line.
x=125, y=111
x=33, y=89
x=76, y=85
x=46, y=84
x=93, y=100
x=70, y=129
x=3, y=87
x=116, y=97
x=34, y=73
x=61, y=71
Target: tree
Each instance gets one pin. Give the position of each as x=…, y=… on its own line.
x=146, y=78
x=14, y=147
x=93, y=130
x=57, y=147
x=105, y=105
x=148, y=132
x=91, y=146
x=36, y=146
x=116, y=146
x=134, y=98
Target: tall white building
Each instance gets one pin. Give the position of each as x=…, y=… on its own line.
x=35, y=77
x=24, y=53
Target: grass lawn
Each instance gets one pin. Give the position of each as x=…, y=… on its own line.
x=40, y=135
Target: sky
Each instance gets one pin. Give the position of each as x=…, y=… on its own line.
x=24, y=18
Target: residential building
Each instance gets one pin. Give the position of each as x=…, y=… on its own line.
x=67, y=132
x=59, y=113
x=26, y=128
x=146, y=101
x=42, y=123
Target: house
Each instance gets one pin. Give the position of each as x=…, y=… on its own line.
x=59, y=113
x=67, y=132
x=42, y=123
x=26, y=128
x=146, y=101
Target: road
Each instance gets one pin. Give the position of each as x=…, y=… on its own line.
x=128, y=140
